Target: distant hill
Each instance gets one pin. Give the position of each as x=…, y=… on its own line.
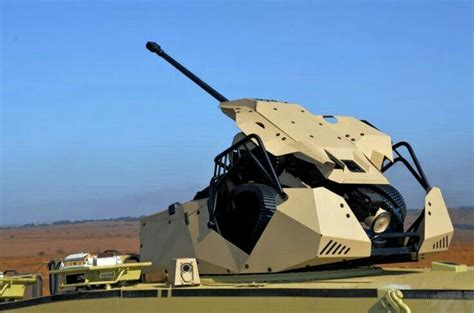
x=68, y=222
x=116, y=219
x=462, y=218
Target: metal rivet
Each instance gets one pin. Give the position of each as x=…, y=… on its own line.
x=342, y=205
x=347, y=215
x=246, y=266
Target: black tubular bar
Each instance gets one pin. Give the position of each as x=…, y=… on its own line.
x=221, y=168
x=155, y=48
x=211, y=203
x=411, y=246
x=396, y=235
x=391, y=251
x=410, y=168
x=414, y=158
x=269, y=171
x=418, y=173
x=414, y=226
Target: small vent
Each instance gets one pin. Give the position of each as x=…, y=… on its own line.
x=353, y=166
x=334, y=248
x=443, y=243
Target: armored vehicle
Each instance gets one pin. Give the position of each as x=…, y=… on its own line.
x=297, y=211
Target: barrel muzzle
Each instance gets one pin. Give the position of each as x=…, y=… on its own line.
x=154, y=47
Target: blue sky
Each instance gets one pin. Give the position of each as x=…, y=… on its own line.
x=93, y=125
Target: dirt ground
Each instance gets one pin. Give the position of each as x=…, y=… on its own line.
x=29, y=249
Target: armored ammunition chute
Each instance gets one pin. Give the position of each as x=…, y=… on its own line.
x=295, y=190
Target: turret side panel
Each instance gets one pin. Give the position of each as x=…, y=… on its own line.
x=185, y=234
x=164, y=237
x=436, y=230
x=342, y=234
x=215, y=254
x=312, y=227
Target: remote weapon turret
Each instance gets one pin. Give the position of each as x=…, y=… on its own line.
x=295, y=190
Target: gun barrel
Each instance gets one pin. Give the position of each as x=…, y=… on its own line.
x=155, y=48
